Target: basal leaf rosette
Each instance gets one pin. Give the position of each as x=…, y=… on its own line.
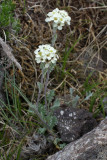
x=59, y=18
x=46, y=54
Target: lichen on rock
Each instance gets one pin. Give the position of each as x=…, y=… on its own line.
x=74, y=122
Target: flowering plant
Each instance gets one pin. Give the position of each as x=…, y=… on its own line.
x=46, y=54
x=59, y=18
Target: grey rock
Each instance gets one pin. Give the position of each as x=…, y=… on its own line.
x=96, y=153
x=36, y=145
x=92, y=146
x=73, y=122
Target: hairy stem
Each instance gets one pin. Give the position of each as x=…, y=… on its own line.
x=39, y=94
x=54, y=36
x=45, y=90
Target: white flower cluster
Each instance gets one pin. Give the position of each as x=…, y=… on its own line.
x=59, y=18
x=46, y=54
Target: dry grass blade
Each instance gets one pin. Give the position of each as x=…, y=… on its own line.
x=7, y=51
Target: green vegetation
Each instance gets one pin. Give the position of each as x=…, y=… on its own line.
x=8, y=23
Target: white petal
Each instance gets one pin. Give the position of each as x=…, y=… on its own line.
x=49, y=58
x=38, y=60
x=53, y=61
x=60, y=27
x=56, y=10
x=50, y=14
x=47, y=20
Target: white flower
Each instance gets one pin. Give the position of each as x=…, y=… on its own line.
x=46, y=54
x=59, y=18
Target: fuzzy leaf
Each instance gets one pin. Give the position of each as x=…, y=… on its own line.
x=55, y=105
x=71, y=92
x=44, y=69
x=88, y=95
x=41, y=130
x=42, y=66
x=40, y=86
x=62, y=145
x=51, y=67
x=31, y=108
x=52, y=121
x=57, y=140
x=50, y=96
x=75, y=101
x=42, y=110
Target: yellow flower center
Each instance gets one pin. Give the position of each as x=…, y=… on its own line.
x=40, y=53
x=48, y=55
x=55, y=18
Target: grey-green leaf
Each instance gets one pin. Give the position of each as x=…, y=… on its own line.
x=31, y=108
x=52, y=121
x=75, y=101
x=50, y=96
x=41, y=130
x=40, y=86
x=88, y=95
x=56, y=104
x=71, y=92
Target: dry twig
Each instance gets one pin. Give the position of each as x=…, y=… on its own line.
x=7, y=50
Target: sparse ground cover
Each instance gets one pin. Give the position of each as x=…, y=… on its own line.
x=82, y=65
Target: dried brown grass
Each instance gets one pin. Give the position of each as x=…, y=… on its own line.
x=88, y=24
